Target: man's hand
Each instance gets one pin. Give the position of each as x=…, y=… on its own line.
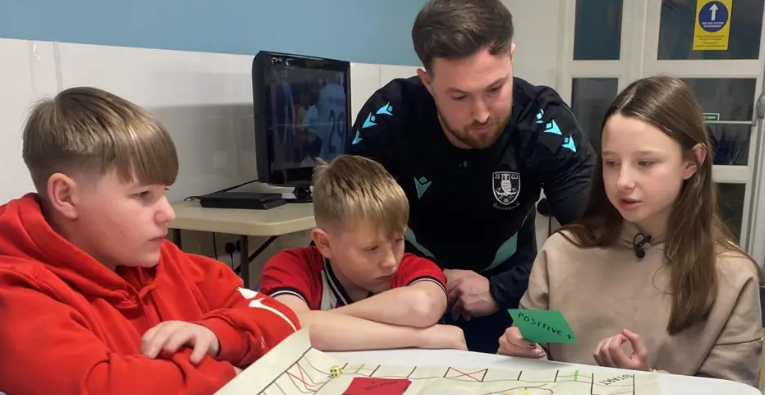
x=469, y=294
x=609, y=352
x=169, y=336
x=442, y=337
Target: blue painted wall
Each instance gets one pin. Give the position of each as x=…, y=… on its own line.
x=366, y=31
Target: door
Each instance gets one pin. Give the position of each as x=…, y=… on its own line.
x=595, y=62
x=610, y=43
x=715, y=47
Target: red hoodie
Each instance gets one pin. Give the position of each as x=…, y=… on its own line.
x=69, y=325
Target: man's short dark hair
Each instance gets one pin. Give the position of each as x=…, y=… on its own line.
x=456, y=29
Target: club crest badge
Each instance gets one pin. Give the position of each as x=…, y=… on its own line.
x=506, y=186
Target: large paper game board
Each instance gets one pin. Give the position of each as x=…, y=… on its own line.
x=296, y=368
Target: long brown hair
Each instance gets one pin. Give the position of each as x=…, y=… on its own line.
x=698, y=234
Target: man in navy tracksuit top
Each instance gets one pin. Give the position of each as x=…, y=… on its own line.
x=473, y=147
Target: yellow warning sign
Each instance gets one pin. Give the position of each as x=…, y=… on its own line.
x=712, y=25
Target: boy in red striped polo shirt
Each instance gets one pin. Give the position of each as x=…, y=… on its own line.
x=356, y=288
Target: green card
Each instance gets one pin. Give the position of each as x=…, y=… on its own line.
x=542, y=326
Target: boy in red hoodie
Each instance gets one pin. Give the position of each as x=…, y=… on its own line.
x=93, y=299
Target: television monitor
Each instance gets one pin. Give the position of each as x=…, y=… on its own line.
x=302, y=112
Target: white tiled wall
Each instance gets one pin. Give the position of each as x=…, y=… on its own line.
x=24, y=78
x=204, y=99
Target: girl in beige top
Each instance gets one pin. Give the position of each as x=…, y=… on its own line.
x=650, y=278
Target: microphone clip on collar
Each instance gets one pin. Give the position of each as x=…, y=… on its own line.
x=638, y=242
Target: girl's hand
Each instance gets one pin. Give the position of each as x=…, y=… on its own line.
x=514, y=345
x=610, y=353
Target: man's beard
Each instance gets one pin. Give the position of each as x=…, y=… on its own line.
x=482, y=140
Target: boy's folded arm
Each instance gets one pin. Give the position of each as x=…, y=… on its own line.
x=331, y=331
x=40, y=334
x=247, y=323
x=421, y=304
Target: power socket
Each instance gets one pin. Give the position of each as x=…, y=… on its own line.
x=231, y=249
x=226, y=258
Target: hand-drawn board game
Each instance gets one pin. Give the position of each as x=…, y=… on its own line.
x=296, y=368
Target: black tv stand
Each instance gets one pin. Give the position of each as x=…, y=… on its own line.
x=302, y=195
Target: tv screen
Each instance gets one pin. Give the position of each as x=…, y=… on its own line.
x=306, y=115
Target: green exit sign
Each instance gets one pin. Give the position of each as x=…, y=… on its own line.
x=711, y=116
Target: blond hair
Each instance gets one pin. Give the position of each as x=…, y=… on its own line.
x=88, y=131
x=351, y=189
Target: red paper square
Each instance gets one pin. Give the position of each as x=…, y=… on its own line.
x=377, y=386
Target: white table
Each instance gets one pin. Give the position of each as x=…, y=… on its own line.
x=669, y=384
x=272, y=223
